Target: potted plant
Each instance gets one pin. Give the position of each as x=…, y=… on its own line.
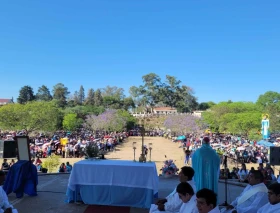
x=91, y=151
x=50, y=164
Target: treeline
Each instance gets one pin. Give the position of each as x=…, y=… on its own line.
x=244, y=118
x=154, y=92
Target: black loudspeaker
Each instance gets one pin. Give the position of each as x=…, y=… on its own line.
x=8, y=149
x=274, y=157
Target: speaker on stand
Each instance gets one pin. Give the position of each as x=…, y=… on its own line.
x=274, y=156
x=8, y=149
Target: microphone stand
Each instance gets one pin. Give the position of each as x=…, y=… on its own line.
x=226, y=182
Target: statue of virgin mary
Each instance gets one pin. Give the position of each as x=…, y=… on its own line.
x=265, y=127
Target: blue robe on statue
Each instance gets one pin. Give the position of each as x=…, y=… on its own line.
x=265, y=126
x=206, y=164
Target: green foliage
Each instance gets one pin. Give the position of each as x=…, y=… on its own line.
x=254, y=135
x=98, y=100
x=83, y=111
x=170, y=93
x=44, y=116
x=51, y=163
x=233, y=117
x=60, y=94
x=267, y=99
x=90, y=98
x=71, y=122
x=81, y=95
x=25, y=94
x=130, y=120
x=43, y=94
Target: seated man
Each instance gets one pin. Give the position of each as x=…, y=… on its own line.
x=172, y=203
x=206, y=201
x=5, y=206
x=186, y=194
x=274, y=200
x=68, y=167
x=253, y=197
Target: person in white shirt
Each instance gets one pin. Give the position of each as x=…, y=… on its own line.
x=186, y=194
x=206, y=201
x=172, y=203
x=5, y=206
x=253, y=197
x=274, y=200
x=243, y=173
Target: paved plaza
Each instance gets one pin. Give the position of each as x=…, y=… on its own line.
x=51, y=195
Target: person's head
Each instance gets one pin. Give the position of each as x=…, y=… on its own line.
x=252, y=168
x=269, y=171
x=243, y=167
x=206, y=140
x=206, y=200
x=260, y=165
x=185, y=191
x=274, y=193
x=2, y=177
x=255, y=177
x=186, y=174
x=67, y=163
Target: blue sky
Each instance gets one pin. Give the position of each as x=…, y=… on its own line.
x=224, y=50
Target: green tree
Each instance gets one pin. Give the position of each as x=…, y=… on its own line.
x=230, y=117
x=114, y=91
x=128, y=103
x=112, y=102
x=60, y=94
x=33, y=116
x=25, y=94
x=274, y=116
x=71, y=122
x=76, y=99
x=129, y=119
x=90, y=97
x=83, y=111
x=81, y=95
x=203, y=106
x=98, y=100
x=170, y=93
x=268, y=98
x=43, y=94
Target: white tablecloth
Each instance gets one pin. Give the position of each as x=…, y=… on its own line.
x=114, y=173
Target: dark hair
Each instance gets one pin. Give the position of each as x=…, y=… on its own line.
x=275, y=188
x=188, y=171
x=185, y=188
x=209, y=195
x=243, y=164
x=257, y=174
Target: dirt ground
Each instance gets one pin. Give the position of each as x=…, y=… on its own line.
x=163, y=149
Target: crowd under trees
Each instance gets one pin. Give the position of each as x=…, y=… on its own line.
x=50, y=110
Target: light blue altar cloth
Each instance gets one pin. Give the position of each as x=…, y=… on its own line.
x=113, y=182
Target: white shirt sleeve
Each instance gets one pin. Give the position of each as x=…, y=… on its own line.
x=173, y=203
x=260, y=199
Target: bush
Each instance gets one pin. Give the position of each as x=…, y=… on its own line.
x=51, y=163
